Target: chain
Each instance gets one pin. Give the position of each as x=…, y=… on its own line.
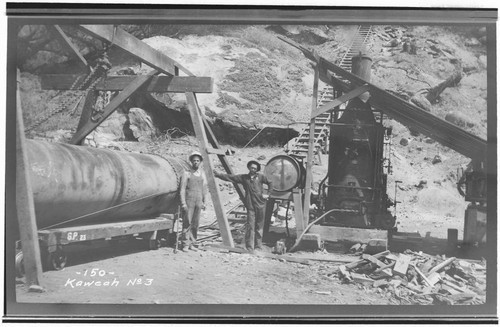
x=95, y=76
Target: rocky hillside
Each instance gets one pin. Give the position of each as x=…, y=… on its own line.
x=261, y=81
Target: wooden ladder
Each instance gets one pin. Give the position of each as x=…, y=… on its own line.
x=301, y=143
x=299, y=146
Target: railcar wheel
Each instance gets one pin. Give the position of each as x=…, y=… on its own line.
x=56, y=260
x=19, y=265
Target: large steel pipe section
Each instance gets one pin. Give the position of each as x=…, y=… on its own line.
x=80, y=184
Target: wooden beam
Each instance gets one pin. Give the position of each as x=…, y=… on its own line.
x=356, y=263
x=373, y=260
x=310, y=149
x=338, y=101
x=355, y=235
x=300, y=222
x=196, y=117
x=158, y=84
x=135, y=47
x=59, y=236
x=112, y=106
x=66, y=43
x=88, y=105
x=24, y=203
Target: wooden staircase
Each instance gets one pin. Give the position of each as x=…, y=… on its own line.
x=299, y=146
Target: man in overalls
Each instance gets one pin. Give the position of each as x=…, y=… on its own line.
x=193, y=193
x=254, y=201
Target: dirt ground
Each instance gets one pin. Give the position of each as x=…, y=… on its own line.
x=203, y=277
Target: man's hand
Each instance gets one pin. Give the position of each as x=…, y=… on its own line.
x=184, y=207
x=203, y=206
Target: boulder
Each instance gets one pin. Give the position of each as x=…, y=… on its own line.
x=141, y=125
x=403, y=141
x=43, y=58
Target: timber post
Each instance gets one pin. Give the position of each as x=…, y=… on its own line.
x=196, y=117
x=24, y=204
x=310, y=152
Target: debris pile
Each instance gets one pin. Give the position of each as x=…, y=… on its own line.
x=419, y=278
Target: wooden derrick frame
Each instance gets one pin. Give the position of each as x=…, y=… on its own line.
x=164, y=64
x=128, y=85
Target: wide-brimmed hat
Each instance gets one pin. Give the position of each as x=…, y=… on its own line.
x=253, y=162
x=195, y=153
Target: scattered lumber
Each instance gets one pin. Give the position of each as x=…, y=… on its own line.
x=419, y=278
x=442, y=265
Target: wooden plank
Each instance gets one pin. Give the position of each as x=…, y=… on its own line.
x=470, y=226
x=135, y=47
x=434, y=278
x=112, y=106
x=332, y=260
x=373, y=259
x=442, y=265
x=358, y=262
x=391, y=257
x=401, y=265
x=88, y=106
x=345, y=273
x=196, y=117
x=24, y=202
x=158, y=84
x=68, y=235
x=355, y=235
x=178, y=84
x=426, y=280
x=66, y=43
x=310, y=152
x=300, y=224
x=384, y=267
x=362, y=278
x=342, y=99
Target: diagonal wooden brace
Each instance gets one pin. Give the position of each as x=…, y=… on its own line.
x=338, y=101
x=135, y=47
x=112, y=106
x=68, y=45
